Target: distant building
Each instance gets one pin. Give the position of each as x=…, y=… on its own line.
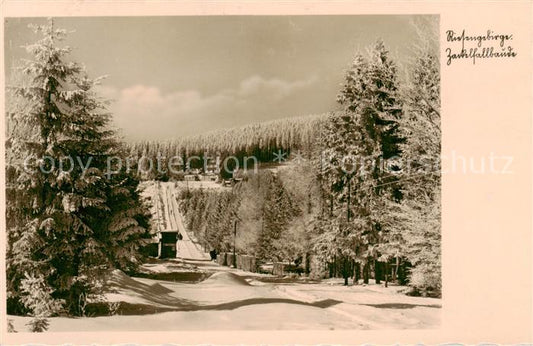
x=209, y=176
x=190, y=177
x=211, y=167
x=168, y=243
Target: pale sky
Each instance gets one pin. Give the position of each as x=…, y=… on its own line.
x=176, y=76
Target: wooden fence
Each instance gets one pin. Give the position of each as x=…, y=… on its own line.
x=244, y=262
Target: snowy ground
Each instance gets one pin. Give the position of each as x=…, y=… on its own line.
x=226, y=298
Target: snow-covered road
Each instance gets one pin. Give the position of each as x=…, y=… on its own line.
x=186, y=247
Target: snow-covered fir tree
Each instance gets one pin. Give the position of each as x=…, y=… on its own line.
x=67, y=225
x=278, y=211
x=356, y=142
x=415, y=222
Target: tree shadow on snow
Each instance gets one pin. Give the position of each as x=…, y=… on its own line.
x=322, y=304
x=401, y=306
x=145, y=309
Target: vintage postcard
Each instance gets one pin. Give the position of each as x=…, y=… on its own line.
x=266, y=172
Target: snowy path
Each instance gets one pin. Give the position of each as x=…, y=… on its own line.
x=223, y=298
x=230, y=299
x=186, y=247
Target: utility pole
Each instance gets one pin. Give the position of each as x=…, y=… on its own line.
x=348, y=200
x=348, y=217
x=234, y=238
x=158, y=205
x=234, y=230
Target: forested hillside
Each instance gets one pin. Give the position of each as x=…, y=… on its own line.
x=261, y=141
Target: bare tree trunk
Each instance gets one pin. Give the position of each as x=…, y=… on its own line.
x=357, y=273
x=395, y=271
x=345, y=271
x=387, y=274
x=366, y=272
x=377, y=271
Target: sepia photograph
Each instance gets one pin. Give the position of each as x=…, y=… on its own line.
x=173, y=173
